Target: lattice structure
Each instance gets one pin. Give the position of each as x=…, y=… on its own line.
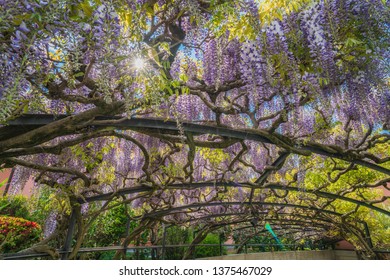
x=212, y=114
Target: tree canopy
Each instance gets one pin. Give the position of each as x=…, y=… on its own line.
x=208, y=112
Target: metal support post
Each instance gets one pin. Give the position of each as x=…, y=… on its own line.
x=69, y=235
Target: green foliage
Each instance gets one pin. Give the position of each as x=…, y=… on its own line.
x=229, y=18
x=271, y=10
x=109, y=227
x=172, y=170
x=46, y=201
x=17, y=234
x=318, y=176
x=92, y=159
x=107, y=255
x=176, y=236
x=16, y=206
x=214, y=156
x=3, y=182
x=209, y=251
x=379, y=227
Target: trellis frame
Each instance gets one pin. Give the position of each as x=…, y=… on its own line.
x=157, y=127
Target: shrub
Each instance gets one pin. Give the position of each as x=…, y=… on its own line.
x=17, y=234
x=15, y=206
x=108, y=228
x=209, y=251
x=176, y=236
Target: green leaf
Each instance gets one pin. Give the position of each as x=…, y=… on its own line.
x=349, y=58
x=175, y=83
x=3, y=183
x=153, y=55
x=79, y=74
x=168, y=88
x=350, y=42
x=183, y=78
x=87, y=9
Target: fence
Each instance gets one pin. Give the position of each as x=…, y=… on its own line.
x=169, y=251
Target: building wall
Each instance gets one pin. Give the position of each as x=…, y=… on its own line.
x=27, y=188
x=4, y=174
x=344, y=245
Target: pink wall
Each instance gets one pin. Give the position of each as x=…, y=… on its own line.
x=344, y=245
x=4, y=175
x=27, y=189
